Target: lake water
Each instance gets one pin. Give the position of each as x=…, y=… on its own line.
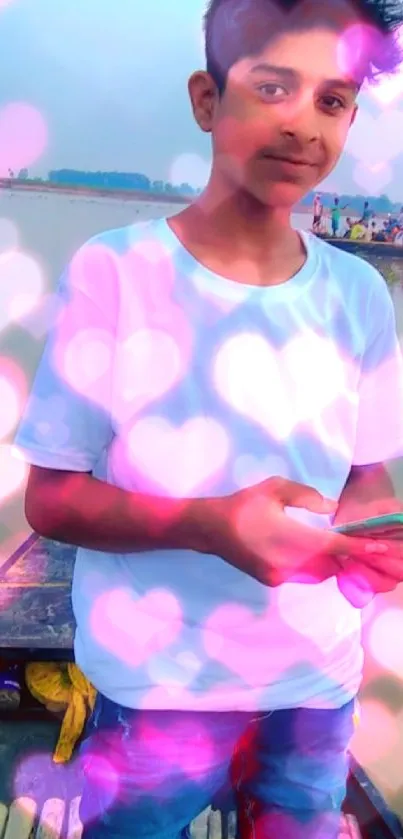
x=52, y=225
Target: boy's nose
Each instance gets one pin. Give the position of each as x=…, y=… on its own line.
x=301, y=123
x=302, y=131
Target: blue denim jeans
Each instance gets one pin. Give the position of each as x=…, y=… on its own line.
x=148, y=774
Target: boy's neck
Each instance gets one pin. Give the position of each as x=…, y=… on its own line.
x=246, y=222
x=236, y=236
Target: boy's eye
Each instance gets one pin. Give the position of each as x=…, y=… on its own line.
x=272, y=90
x=333, y=103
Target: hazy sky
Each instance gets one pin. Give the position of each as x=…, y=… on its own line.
x=109, y=77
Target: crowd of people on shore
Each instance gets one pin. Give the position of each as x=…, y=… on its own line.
x=330, y=224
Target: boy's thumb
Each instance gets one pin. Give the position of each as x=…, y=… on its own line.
x=293, y=494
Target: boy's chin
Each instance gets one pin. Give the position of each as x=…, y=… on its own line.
x=282, y=194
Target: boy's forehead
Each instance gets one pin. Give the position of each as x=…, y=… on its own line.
x=314, y=54
x=310, y=37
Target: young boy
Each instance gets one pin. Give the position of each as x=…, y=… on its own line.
x=335, y=217
x=207, y=400
x=317, y=213
x=367, y=213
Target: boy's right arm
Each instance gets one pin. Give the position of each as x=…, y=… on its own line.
x=78, y=509
x=249, y=529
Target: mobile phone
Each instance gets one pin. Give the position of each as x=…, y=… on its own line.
x=389, y=526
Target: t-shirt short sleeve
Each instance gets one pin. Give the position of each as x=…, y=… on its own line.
x=379, y=433
x=67, y=421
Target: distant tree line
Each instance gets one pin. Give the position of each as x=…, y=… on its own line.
x=139, y=182
x=118, y=180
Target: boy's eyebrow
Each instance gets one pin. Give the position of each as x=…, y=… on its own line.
x=291, y=74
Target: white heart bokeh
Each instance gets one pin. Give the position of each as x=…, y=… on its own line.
x=250, y=470
x=21, y=286
x=375, y=140
x=252, y=376
x=13, y=471
x=181, y=460
x=190, y=169
x=13, y=392
x=390, y=87
x=373, y=179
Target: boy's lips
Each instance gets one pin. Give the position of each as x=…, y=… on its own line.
x=289, y=167
x=290, y=159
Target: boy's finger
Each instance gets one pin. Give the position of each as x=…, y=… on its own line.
x=388, y=565
x=367, y=579
x=340, y=545
x=353, y=592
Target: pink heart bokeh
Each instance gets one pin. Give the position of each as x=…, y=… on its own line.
x=390, y=87
x=233, y=634
x=133, y=630
x=155, y=336
x=355, y=44
x=57, y=778
x=168, y=697
x=23, y=137
x=185, y=746
x=149, y=365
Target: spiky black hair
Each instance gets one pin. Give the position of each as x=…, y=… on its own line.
x=237, y=29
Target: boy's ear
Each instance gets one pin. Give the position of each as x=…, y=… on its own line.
x=203, y=96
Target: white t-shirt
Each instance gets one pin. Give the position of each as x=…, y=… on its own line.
x=162, y=377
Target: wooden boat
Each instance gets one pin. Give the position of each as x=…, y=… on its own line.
x=370, y=249
x=38, y=575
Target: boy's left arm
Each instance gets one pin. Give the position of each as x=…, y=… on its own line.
x=369, y=491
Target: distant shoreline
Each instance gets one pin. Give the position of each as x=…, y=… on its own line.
x=14, y=185
x=123, y=194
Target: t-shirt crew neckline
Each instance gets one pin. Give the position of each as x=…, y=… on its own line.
x=229, y=289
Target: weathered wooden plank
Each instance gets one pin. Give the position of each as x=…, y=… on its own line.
x=51, y=820
x=349, y=828
x=74, y=824
x=36, y=617
x=228, y=825
x=198, y=827
x=43, y=562
x=214, y=825
x=35, y=598
x=21, y=819
x=3, y=819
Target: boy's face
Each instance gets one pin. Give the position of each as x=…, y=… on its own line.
x=282, y=122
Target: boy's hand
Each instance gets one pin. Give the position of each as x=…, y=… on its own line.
x=360, y=581
x=251, y=531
